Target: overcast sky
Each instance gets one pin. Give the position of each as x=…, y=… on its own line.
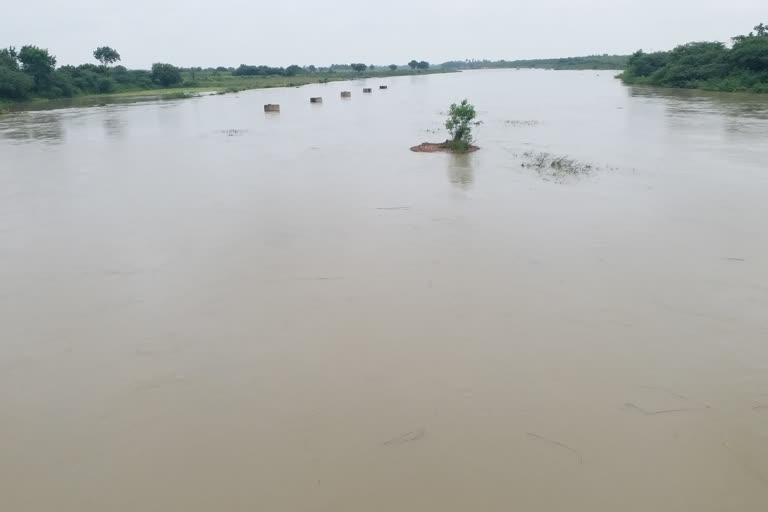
x=231, y=32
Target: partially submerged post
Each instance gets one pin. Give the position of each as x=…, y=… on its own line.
x=367, y=89
x=316, y=100
x=271, y=108
x=346, y=94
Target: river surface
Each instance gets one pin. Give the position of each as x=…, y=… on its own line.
x=206, y=307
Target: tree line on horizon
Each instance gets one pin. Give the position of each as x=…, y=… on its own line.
x=709, y=65
x=31, y=72
x=605, y=61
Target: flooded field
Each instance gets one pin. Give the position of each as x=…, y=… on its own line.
x=206, y=307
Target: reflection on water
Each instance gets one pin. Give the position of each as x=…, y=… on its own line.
x=43, y=126
x=688, y=101
x=113, y=124
x=308, y=316
x=460, y=170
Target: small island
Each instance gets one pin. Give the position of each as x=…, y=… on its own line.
x=436, y=147
x=461, y=119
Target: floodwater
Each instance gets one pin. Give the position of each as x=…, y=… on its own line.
x=203, y=307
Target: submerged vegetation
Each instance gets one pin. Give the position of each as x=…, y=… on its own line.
x=706, y=65
x=553, y=167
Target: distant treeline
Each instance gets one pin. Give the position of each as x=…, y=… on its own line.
x=31, y=72
x=605, y=61
x=706, y=65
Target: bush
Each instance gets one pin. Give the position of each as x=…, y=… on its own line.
x=165, y=74
x=106, y=85
x=15, y=84
x=461, y=118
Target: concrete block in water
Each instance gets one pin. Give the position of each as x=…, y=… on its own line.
x=367, y=89
x=346, y=94
x=316, y=100
x=271, y=108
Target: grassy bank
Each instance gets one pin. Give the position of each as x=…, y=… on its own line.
x=206, y=82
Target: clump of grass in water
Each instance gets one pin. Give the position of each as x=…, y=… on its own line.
x=517, y=123
x=232, y=132
x=549, y=165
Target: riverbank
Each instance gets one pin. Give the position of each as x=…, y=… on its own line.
x=205, y=84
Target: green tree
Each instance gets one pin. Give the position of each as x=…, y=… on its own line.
x=461, y=119
x=371, y=67
x=423, y=65
x=165, y=74
x=39, y=64
x=292, y=70
x=9, y=58
x=311, y=68
x=645, y=64
x=14, y=84
x=106, y=56
x=392, y=67
x=413, y=64
x=358, y=66
x=750, y=53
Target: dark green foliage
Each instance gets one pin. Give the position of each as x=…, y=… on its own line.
x=244, y=70
x=645, y=64
x=423, y=65
x=292, y=70
x=358, y=66
x=413, y=64
x=165, y=74
x=706, y=65
x=39, y=64
x=106, y=55
x=750, y=53
x=392, y=67
x=14, y=84
x=9, y=58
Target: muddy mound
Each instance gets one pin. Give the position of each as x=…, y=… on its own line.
x=434, y=147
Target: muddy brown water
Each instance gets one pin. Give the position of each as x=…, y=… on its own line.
x=203, y=307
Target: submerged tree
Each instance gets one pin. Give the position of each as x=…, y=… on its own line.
x=461, y=119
